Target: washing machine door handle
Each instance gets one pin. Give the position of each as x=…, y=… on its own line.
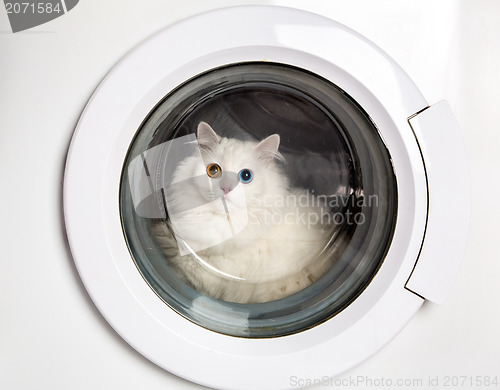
x=449, y=200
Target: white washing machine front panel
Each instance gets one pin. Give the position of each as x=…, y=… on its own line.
x=278, y=36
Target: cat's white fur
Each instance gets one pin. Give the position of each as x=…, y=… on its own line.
x=275, y=251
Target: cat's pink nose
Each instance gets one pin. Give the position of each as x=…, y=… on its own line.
x=228, y=182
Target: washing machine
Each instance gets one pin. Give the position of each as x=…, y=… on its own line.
x=250, y=196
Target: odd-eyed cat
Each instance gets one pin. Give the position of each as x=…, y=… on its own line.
x=247, y=237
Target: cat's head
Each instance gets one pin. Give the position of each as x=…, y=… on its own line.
x=241, y=172
x=229, y=185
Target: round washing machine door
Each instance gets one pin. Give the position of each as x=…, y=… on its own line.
x=266, y=201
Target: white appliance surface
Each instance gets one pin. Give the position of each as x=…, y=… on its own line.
x=51, y=334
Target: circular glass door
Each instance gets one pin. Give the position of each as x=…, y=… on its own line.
x=258, y=200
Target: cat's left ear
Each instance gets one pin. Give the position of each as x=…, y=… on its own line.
x=206, y=136
x=267, y=149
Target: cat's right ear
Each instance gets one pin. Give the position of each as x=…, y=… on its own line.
x=267, y=149
x=206, y=136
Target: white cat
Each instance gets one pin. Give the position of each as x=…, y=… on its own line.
x=251, y=238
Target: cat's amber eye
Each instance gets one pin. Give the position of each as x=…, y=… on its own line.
x=214, y=170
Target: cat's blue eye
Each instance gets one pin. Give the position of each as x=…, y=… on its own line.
x=246, y=176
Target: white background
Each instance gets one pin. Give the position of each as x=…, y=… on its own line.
x=52, y=336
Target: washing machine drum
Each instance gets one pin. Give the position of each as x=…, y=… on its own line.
x=258, y=200
x=249, y=199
